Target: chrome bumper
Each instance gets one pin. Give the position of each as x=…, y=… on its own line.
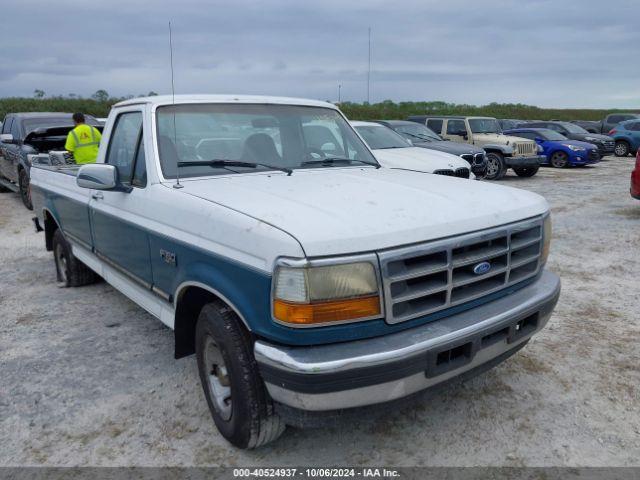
x=381, y=369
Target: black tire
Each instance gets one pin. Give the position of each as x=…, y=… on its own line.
x=70, y=271
x=25, y=188
x=496, y=168
x=236, y=395
x=526, y=171
x=621, y=149
x=559, y=159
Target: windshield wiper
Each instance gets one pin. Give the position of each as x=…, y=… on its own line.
x=233, y=163
x=420, y=137
x=333, y=160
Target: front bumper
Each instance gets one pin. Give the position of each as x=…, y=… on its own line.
x=533, y=161
x=382, y=369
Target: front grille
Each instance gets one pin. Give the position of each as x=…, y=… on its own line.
x=449, y=173
x=462, y=172
x=594, y=155
x=526, y=148
x=423, y=279
x=609, y=145
x=473, y=158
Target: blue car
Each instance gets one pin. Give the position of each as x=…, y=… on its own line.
x=627, y=137
x=558, y=149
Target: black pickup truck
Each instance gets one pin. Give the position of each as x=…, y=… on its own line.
x=605, y=125
x=24, y=135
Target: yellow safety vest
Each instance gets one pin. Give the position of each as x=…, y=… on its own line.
x=83, y=142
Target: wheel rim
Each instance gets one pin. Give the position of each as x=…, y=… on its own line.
x=218, y=379
x=61, y=264
x=621, y=149
x=558, y=159
x=492, y=166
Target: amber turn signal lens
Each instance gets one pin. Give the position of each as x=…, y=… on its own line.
x=326, y=312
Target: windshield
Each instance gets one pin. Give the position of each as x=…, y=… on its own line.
x=31, y=124
x=417, y=132
x=573, y=128
x=484, y=125
x=282, y=136
x=552, y=135
x=380, y=138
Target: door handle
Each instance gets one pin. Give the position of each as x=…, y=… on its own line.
x=97, y=196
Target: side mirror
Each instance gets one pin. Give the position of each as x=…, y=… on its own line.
x=6, y=138
x=98, y=176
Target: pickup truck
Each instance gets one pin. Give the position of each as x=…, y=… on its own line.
x=503, y=151
x=25, y=135
x=605, y=125
x=309, y=285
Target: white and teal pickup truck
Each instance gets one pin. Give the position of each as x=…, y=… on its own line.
x=307, y=280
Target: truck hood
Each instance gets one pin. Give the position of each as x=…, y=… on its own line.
x=497, y=138
x=418, y=159
x=453, y=148
x=334, y=211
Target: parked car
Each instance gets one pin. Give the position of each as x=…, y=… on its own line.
x=307, y=285
x=605, y=125
x=421, y=136
x=627, y=137
x=635, y=178
x=503, y=152
x=605, y=143
x=508, y=123
x=559, y=150
x=24, y=135
x=394, y=151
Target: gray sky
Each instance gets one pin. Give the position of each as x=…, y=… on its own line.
x=564, y=53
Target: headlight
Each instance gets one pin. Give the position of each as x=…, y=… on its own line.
x=591, y=139
x=312, y=295
x=575, y=148
x=546, y=239
x=540, y=149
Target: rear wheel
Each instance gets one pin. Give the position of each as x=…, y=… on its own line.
x=496, y=168
x=25, y=188
x=70, y=271
x=525, y=171
x=622, y=149
x=559, y=159
x=237, y=397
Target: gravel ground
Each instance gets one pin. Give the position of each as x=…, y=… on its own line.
x=88, y=378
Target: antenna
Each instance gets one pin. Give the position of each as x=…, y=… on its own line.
x=369, y=68
x=173, y=103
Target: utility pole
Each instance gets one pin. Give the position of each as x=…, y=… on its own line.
x=339, y=89
x=369, y=70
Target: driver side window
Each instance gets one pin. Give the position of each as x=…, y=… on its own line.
x=124, y=143
x=456, y=127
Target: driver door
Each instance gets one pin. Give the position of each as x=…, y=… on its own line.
x=119, y=237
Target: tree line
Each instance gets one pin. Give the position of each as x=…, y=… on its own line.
x=100, y=103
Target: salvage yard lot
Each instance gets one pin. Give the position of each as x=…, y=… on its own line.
x=88, y=378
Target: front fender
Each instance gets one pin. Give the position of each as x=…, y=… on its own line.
x=504, y=149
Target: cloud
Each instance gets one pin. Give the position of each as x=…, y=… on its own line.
x=578, y=53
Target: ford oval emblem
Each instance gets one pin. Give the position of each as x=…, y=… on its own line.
x=481, y=268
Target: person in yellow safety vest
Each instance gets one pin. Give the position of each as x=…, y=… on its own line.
x=83, y=141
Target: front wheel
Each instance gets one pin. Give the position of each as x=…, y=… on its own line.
x=496, y=168
x=25, y=188
x=559, y=159
x=621, y=149
x=525, y=171
x=239, y=403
